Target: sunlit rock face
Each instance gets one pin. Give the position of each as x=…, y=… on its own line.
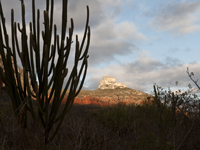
x=109, y=82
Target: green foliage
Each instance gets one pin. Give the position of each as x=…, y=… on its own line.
x=114, y=117
x=129, y=127
x=166, y=122
x=151, y=141
x=42, y=67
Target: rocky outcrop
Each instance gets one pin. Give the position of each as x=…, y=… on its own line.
x=109, y=82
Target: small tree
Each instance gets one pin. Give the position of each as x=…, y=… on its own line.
x=35, y=65
x=190, y=74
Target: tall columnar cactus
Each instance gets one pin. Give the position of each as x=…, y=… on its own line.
x=35, y=65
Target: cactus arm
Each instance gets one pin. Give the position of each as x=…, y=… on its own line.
x=46, y=39
x=47, y=5
x=33, y=19
x=13, y=40
x=47, y=30
x=64, y=19
x=37, y=51
x=84, y=75
x=52, y=78
x=33, y=76
x=76, y=52
x=51, y=57
x=16, y=39
x=57, y=38
x=51, y=81
x=51, y=18
x=45, y=91
x=4, y=31
x=69, y=42
x=24, y=41
x=87, y=45
x=68, y=45
x=13, y=25
x=26, y=63
x=86, y=27
x=2, y=51
x=53, y=50
x=20, y=30
x=45, y=52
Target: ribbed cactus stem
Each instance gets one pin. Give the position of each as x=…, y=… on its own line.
x=49, y=71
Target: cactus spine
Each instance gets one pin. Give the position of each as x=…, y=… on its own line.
x=43, y=66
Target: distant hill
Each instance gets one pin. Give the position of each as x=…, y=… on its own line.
x=110, y=96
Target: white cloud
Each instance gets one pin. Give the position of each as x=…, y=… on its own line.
x=129, y=30
x=143, y=73
x=190, y=29
x=110, y=39
x=179, y=17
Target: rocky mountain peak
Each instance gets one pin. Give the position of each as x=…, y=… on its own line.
x=109, y=82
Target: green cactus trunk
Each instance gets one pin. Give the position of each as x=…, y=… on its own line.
x=42, y=67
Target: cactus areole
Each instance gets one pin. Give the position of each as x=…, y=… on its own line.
x=42, y=66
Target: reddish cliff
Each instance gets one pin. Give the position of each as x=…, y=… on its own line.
x=110, y=97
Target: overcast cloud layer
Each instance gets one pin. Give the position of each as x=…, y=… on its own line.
x=136, y=41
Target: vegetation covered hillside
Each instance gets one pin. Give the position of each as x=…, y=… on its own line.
x=111, y=96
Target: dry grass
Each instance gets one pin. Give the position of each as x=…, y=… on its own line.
x=89, y=127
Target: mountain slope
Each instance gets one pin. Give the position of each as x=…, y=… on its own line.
x=110, y=97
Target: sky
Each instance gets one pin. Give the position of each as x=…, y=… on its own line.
x=138, y=42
